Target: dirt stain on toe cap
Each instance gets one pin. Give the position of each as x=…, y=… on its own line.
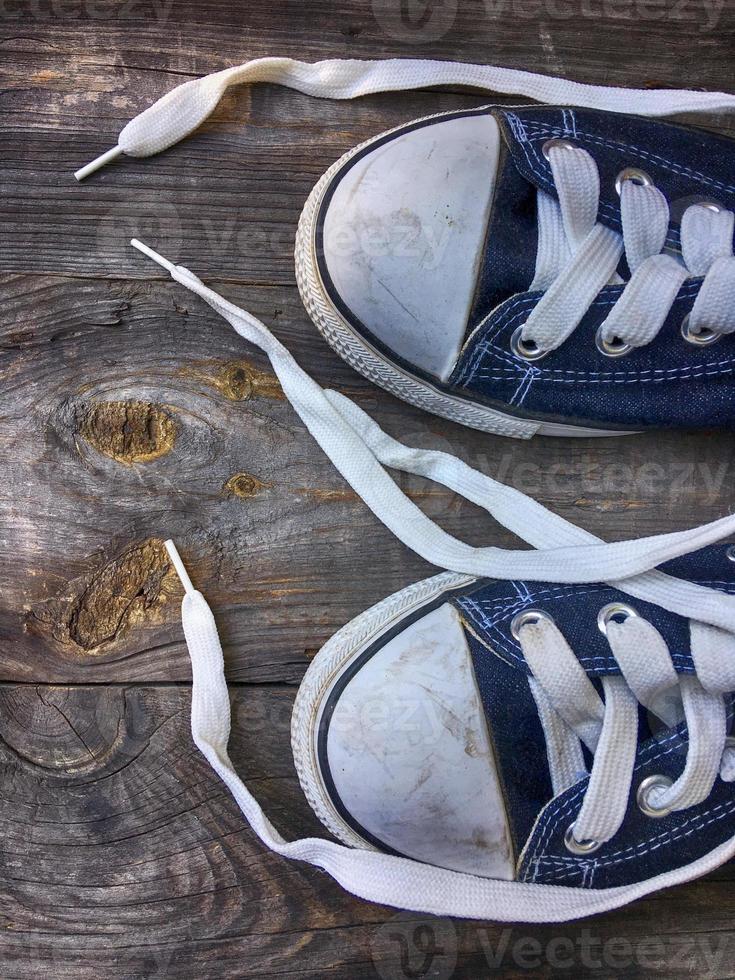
x=127, y=431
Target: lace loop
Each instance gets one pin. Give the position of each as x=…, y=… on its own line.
x=713, y=308
x=610, y=729
x=573, y=269
x=654, y=687
x=640, y=312
x=644, y=212
x=706, y=235
x=606, y=799
x=573, y=166
x=562, y=307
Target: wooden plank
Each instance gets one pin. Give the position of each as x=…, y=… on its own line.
x=123, y=855
x=129, y=413
x=133, y=413
x=230, y=195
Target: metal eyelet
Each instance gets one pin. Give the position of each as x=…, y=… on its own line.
x=703, y=337
x=527, y=350
x=709, y=205
x=632, y=173
x=560, y=143
x=579, y=846
x=611, y=348
x=526, y=618
x=618, y=611
x=730, y=553
x=644, y=792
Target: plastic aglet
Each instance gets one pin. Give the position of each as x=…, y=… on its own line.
x=179, y=566
x=97, y=163
x=136, y=243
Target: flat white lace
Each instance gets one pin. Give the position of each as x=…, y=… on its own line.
x=573, y=714
x=577, y=256
x=185, y=107
x=561, y=552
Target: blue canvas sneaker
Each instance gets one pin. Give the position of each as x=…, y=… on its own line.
x=565, y=270
x=559, y=271
x=531, y=735
x=509, y=750
x=528, y=732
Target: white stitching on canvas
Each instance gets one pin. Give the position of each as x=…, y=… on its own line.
x=536, y=130
x=479, y=615
x=635, y=851
x=648, y=756
x=501, y=374
x=473, y=370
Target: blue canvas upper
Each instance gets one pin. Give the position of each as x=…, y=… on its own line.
x=643, y=847
x=666, y=383
x=577, y=381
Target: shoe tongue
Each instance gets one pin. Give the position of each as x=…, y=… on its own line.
x=509, y=259
x=518, y=739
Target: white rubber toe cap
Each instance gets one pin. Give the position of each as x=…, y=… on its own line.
x=404, y=232
x=410, y=757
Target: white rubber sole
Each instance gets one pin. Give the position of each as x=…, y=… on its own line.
x=373, y=365
x=325, y=670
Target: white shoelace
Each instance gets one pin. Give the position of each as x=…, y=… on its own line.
x=561, y=552
x=572, y=714
x=184, y=108
x=577, y=257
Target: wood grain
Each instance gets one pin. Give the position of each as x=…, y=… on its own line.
x=130, y=413
x=123, y=855
x=133, y=414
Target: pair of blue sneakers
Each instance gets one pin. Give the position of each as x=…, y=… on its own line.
x=533, y=735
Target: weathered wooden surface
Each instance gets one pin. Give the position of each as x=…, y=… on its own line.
x=130, y=413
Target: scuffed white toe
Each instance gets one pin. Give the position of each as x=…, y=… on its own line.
x=403, y=236
x=409, y=755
